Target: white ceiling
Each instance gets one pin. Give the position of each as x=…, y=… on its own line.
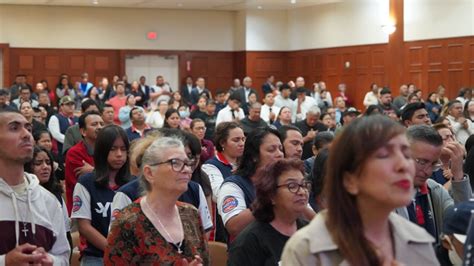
x=180, y=4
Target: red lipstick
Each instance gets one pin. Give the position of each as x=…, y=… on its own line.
x=404, y=184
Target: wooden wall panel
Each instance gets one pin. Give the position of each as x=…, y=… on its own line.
x=426, y=63
x=48, y=64
x=259, y=65
x=431, y=63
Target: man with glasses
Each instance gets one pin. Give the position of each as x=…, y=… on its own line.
x=431, y=199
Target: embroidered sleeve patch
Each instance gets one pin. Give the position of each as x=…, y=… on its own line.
x=76, y=203
x=229, y=203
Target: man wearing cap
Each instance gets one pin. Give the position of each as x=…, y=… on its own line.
x=302, y=104
x=232, y=112
x=347, y=117
x=415, y=114
x=60, y=122
x=431, y=199
x=456, y=224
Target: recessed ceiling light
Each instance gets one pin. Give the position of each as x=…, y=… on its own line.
x=293, y=2
x=259, y=7
x=95, y=2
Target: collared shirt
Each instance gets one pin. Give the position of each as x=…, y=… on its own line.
x=247, y=93
x=266, y=110
x=412, y=244
x=281, y=102
x=140, y=132
x=228, y=115
x=305, y=106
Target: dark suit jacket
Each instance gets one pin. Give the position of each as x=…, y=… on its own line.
x=147, y=94
x=186, y=95
x=266, y=88
x=241, y=93
x=195, y=94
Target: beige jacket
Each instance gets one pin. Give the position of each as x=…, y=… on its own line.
x=313, y=245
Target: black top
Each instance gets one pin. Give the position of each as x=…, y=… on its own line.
x=249, y=125
x=305, y=128
x=258, y=244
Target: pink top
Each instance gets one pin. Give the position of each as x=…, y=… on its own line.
x=117, y=103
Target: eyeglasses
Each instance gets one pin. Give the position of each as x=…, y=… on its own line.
x=178, y=165
x=294, y=187
x=201, y=128
x=435, y=166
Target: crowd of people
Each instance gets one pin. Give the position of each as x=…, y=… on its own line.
x=289, y=174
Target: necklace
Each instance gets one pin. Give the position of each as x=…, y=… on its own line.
x=175, y=243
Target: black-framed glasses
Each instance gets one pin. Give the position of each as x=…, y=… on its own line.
x=178, y=165
x=294, y=187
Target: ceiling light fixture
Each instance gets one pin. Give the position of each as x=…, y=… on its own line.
x=259, y=7
x=293, y=2
x=180, y=4
x=95, y=2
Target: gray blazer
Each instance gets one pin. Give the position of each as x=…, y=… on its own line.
x=440, y=200
x=313, y=245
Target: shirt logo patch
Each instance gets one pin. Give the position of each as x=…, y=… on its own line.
x=76, y=203
x=230, y=202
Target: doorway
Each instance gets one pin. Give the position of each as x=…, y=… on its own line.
x=152, y=66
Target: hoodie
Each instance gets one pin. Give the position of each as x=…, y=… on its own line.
x=34, y=217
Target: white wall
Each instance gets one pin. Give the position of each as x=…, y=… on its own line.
x=432, y=19
x=116, y=28
x=338, y=24
x=266, y=30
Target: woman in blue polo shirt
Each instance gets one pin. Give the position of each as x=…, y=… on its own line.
x=94, y=192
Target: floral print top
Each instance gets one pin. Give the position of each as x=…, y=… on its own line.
x=133, y=240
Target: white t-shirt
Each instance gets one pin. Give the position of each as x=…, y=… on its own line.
x=231, y=201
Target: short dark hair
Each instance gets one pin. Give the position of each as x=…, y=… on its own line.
x=373, y=109
x=285, y=87
x=88, y=103
x=23, y=87
x=4, y=92
x=410, y=109
x=131, y=111
x=235, y=97
x=103, y=145
x=37, y=134
x=266, y=187
x=82, y=118
x=322, y=138
x=194, y=121
x=425, y=134
x=385, y=90
x=222, y=133
x=106, y=105
x=453, y=102
x=283, y=130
